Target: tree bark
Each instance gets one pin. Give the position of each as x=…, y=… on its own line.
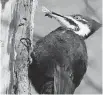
x=14, y=55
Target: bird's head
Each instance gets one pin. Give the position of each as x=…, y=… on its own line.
x=81, y=25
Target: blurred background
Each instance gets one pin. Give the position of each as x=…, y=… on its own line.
x=92, y=82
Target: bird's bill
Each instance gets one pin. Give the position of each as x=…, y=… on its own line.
x=50, y=13
x=62, y=83
x=54, y=15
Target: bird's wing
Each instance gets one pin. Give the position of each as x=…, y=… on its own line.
x=63, y=84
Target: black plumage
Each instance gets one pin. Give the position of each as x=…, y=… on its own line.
x=61, y=48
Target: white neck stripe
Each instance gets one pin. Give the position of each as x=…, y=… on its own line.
x=84, y=29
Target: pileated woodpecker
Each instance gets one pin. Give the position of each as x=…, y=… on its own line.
x=60, y=58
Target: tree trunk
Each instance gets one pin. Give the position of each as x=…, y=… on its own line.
x=17, y=21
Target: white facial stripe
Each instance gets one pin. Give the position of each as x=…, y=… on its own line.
x=63, y=22
x=84, y=29
x=84, y=20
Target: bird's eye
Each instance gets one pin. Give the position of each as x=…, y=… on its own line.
x=77, y=18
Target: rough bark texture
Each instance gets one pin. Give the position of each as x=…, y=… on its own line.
x=14, y=55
